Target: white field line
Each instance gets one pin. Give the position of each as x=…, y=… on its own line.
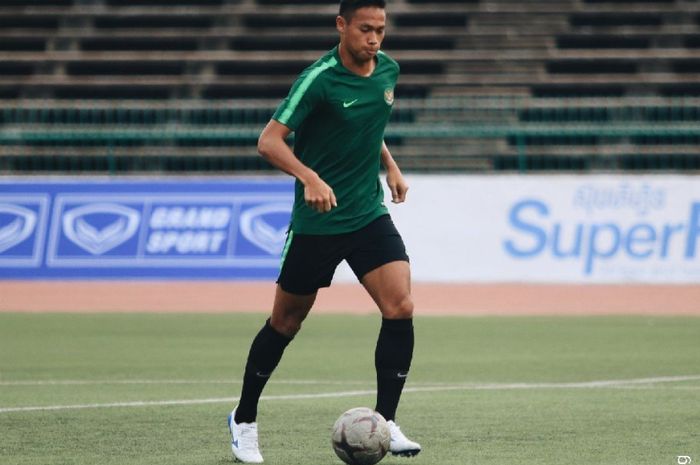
x=435, y=388
x=460, y=385
x=89, y=382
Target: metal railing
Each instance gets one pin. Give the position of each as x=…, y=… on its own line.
x=434, y=134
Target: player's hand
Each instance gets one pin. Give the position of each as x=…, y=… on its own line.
x=319, y=195
x=398, y=186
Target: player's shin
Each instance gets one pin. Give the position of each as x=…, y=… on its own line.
x=265, y=353
x=392, y=360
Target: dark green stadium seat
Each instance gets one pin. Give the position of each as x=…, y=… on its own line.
x=138, y=44
x=22, y=44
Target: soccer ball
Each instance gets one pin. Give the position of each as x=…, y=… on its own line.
x=361, y=436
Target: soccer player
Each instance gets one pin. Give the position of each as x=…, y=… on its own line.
x=338, y=108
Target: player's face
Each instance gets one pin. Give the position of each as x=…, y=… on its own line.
x=362, y=36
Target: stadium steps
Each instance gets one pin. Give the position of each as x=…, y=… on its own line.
x=155, y=50
x=439, y=44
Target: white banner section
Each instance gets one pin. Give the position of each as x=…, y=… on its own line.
x=550, y=229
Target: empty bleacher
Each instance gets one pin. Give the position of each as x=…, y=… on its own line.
x=91, y=58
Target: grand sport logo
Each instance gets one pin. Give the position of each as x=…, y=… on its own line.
x=182, y=229
x=258, y=226
x=16, y=225
x=100, y=227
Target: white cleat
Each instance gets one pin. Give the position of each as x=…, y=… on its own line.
x=244, y=440
x=400, y=444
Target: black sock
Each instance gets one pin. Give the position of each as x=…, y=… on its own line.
x=265, y=353
x=392, y=358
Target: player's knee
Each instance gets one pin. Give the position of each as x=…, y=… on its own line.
x=289, y=325
x=401, y=309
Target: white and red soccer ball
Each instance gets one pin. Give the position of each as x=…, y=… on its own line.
x=361, y=436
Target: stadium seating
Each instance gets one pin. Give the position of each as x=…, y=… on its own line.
x=142, y=65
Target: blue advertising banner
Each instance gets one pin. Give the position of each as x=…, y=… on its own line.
x=203, y=228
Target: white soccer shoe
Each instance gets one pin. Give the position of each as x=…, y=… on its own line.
x=400, y=444
x=244, y=440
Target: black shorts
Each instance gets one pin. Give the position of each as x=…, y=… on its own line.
x=311, y=259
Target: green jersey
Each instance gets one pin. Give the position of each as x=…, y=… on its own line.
x=339, y=119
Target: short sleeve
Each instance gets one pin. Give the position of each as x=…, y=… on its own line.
x=305, y=94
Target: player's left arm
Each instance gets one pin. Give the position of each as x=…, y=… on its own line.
x=394, y=179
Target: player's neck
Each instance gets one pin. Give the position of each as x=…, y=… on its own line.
x=361, y=68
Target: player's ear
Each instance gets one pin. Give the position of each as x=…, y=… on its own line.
x=340, y=24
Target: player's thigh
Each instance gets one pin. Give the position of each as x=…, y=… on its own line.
x=309, y=262
x=390, y=287
x=375, y=245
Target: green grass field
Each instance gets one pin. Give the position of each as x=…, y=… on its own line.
x=156, y=389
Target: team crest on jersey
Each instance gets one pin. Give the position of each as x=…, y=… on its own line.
x=389, y=96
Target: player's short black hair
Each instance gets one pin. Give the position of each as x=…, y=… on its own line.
x=348, y=7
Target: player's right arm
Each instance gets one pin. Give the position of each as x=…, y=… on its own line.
x=272, y=146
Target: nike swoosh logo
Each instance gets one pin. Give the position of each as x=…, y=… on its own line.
x=347, y=104
x=401, y=375
x=263, y=375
